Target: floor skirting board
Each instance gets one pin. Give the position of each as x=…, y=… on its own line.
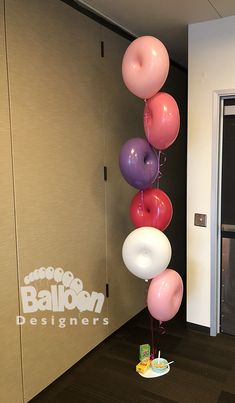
x=198, y=328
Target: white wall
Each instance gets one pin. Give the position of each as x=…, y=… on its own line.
x=211, y=68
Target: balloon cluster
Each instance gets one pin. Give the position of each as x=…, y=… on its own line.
x=147, y=251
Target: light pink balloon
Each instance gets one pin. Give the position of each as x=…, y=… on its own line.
x=161, y=120
x=145, y=66
x=165, y=295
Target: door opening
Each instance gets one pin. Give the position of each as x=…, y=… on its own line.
x=222, y=214
x=227, y=291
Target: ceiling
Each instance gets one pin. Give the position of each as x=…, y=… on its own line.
x=166, y=20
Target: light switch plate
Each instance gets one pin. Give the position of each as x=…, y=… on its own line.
x=200, y=220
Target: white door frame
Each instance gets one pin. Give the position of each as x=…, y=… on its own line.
x=215, y=230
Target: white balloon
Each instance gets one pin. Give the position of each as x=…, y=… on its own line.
x=31, y=277
x=26, y=280
x=58, y=274
x=67, y=278
x=50, y=273
x=76, y=285
x=146, y=252
x=42, y=273
x=36, y=274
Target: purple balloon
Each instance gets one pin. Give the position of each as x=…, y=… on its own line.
x=138, y=163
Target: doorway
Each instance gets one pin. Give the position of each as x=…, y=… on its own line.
x=223, y=214
x=227, y=295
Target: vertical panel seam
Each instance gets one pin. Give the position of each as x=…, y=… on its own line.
x=13, y=186
x=102, y=31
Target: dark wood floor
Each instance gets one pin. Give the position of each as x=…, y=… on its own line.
x=203, y=372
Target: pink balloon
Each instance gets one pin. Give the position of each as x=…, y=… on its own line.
x=145, y=66
x=165, y=295
x=161, y=120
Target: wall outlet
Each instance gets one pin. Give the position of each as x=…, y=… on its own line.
x=200, y=220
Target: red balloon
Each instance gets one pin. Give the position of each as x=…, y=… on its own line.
x=161, y=120
x=151, y=208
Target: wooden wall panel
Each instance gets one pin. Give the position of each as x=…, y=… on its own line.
x=10, y=374
x=122, y=117
x=55, y=68
x=70, y=114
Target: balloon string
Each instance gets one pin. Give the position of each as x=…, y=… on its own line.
x=158, y=153
x=147, y=113
x=162, y=329
x=164, y=161
x=153, y=348
x=158, y=169
x=142, y=201
x=160, y=165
